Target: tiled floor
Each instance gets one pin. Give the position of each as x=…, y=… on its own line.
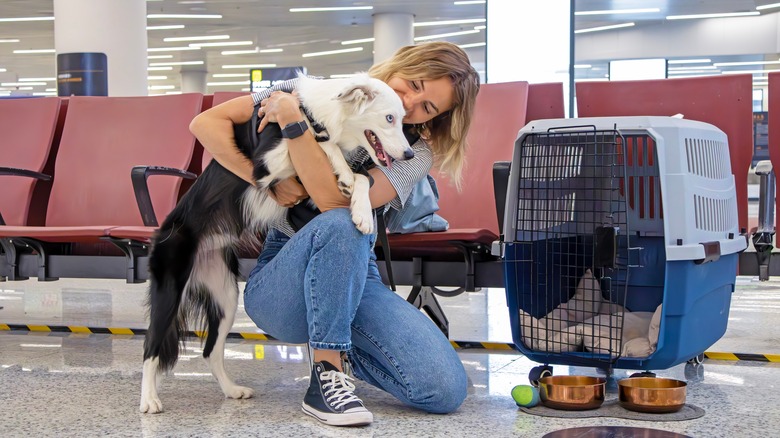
x=63, y=385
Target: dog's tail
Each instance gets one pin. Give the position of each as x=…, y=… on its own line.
x=260, y=210
x=170, y=265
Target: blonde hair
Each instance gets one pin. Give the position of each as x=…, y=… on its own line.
x=446, y=132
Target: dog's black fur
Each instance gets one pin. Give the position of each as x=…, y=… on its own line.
x=215, y=192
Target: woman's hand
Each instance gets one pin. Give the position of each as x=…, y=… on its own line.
x=288, y=192
x=280, y=107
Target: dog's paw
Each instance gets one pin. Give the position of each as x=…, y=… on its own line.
x=346, y=183
x=363, y=222
x=151, y=405
x=236, y=391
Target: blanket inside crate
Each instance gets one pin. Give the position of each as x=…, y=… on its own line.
x=588, y=322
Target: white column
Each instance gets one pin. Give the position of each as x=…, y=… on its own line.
x=116, y=28
x=193, y=81
x=391, y=32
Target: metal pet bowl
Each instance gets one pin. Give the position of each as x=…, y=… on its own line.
x=652, y=394
x=572, y=393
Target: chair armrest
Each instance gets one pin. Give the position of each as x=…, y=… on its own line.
x=13, y=171
x=500, y=187
x=139, y=175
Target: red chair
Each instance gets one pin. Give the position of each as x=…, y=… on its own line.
x=30, y=138
x=545, y=101
x=92, y=193
x=723, y=101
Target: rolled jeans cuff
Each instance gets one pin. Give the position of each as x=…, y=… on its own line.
x=331, y=346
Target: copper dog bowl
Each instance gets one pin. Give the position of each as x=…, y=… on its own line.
x=572, y=393
x=652, y=394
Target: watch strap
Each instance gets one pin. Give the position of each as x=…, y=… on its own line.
x=295, y=129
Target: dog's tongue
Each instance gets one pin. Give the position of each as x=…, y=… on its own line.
x=380, y=153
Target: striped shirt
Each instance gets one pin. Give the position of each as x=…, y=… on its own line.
x=402, y=176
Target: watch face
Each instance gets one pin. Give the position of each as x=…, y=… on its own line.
x=294, y=130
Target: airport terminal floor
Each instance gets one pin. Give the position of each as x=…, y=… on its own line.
x=88, y=384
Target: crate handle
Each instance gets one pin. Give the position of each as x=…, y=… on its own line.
x=711, y=252
x=571, y=128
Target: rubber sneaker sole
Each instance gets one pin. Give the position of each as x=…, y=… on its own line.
x=361, y=417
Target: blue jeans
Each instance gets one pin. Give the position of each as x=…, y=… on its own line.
x=322, y=286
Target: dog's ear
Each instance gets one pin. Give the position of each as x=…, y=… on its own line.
x=357, y=96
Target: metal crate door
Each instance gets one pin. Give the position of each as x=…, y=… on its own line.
x=571, y=242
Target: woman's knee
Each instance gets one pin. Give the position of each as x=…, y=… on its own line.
x=336, y=226
x=444, y=393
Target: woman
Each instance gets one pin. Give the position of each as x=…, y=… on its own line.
x=320, y=285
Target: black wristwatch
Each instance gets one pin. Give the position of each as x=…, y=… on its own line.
x=295, y=129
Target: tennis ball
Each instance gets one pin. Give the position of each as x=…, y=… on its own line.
x=525, y=395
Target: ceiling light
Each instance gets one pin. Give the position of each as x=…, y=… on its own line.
x=162, y=87
x=582, y=66
x=360, y=41
x=217, y=84
x=733, y=64
x=184, y=16
x=349, y=8
x=696, y=67
x=229, y=75
x=446, y=22
x=159, y=57
x=158, y=68
x=9, y=40
x=467, y=46
x=332, y=52
x=171, y=26
x=692, y=71
x=723, y=15
x=36, y=79
x=21, y=84
x=7, y=20
x=445, y=35
x=36, y=51
x=470, y=2
x=160, y=64
x=773, y=5
x=250, y=66
x=600, y=28
x=689, y=61
x=2, y=70
x=224, y=44
x=619, y=11
x=197, y=38
x=171, y=49
x=157, y=78
x=755, y=72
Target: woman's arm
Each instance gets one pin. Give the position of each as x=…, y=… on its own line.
x=214, y=129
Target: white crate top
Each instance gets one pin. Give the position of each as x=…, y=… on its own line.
x=697, y=186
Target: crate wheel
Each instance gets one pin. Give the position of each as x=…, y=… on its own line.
x=697, y=360
x=538, y=373
x=644, y=374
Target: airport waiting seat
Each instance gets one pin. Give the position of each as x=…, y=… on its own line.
x=451, y=258
x=92, y=193
x=723, y=101
x=29, y=141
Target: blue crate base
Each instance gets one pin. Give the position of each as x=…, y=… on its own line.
x=695, y=313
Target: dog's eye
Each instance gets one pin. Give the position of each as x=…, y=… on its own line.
x=390, y=118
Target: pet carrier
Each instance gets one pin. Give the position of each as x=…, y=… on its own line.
x=620, y=241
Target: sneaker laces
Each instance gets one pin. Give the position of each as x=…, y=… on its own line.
x=338, y=388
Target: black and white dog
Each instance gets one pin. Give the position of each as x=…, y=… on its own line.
x=194, y=262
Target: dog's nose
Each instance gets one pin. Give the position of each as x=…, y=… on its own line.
x=408, y=154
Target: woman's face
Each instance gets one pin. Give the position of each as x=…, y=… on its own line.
x=423, y=99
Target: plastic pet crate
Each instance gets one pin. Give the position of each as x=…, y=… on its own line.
x=647, y=205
